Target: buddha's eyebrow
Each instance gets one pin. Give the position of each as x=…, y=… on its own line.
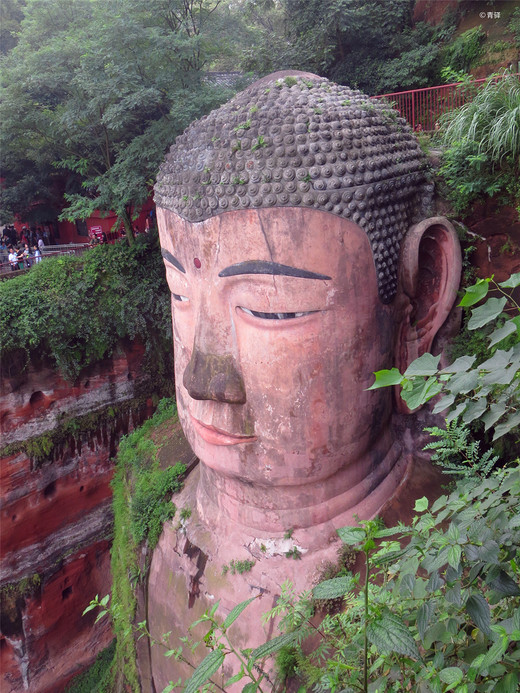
x=265, y=267
x=173, y=260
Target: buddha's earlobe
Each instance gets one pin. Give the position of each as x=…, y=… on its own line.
x=430, y=270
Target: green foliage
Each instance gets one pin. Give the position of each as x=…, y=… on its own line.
x=457, y=453
x=93, y=93
x=483, y=145
x=26, y=586
x=486, y=391
x=238, y=567
x=137, y=474
x=463, y=52
x=42, y=447
x=439, y=609
x=151, y=505
x=12, y=595
x=97, y=678
x=514, y=26
x=370, y=44
x=75, y=311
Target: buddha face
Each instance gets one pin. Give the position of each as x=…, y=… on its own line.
x=278, y=329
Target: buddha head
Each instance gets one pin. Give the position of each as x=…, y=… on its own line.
x=300, y=259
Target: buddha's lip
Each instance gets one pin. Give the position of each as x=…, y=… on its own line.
x=216, y=436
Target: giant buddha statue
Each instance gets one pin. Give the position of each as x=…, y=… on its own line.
x=300, y=258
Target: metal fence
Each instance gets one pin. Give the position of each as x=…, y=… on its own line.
x=422, y=108
x=6, y=271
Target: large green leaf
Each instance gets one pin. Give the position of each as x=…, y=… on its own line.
x=424, y=615
x=437, y=632
x=508, y=683
x=511, y=422
x=454, y=552
x=421, y=392
x=385, y=378
x=460, y=365
x=425, y=365
x=444, y=403
x=236, y=611
x=502, y=332
x=451, y=676
x=505, y=585
x=475, y=293
x=351, y=535
x=202, y=674
x=474, y=410
x=331, y=589
x=274, y=645
x=390, y=634
x=478, y=610
x=486, y=313
x=512, y=282
x=463, y=382
x=493, y=415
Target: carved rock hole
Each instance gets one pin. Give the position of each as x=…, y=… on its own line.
x=50, y=490
x=36, y=398
x=66, y=593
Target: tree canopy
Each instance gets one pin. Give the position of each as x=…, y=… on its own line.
x=96, y=90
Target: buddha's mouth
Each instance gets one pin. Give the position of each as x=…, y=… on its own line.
x=216, y=436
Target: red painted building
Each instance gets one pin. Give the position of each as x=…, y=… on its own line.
x=64, y=232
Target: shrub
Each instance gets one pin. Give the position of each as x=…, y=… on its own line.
x=74, y=310
x=483, y=145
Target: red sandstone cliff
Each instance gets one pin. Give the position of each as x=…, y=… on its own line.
x=56, y=519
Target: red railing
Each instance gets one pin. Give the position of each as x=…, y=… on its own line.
x=422, y=108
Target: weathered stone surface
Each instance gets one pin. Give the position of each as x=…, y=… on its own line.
x=293, y=139
x=45, y=639
x=56, y=516
x=495, y=232
x=283, y=309
x=32, y=401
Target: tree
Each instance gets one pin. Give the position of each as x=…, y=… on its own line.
x=97, y=90
x=370, y=44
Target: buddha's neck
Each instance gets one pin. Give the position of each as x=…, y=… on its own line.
x=361, y=490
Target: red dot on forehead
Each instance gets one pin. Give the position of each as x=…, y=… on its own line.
x=197, y=262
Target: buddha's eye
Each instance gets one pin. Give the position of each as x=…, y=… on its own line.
x=275, y=316
x=178, y=297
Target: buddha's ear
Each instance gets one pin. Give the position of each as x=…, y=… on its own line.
x=430, y=269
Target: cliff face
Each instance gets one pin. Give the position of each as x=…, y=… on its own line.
x=56, y=517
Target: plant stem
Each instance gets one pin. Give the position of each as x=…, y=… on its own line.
x=365, y=653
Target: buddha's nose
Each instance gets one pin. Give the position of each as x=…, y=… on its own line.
x=215, y=377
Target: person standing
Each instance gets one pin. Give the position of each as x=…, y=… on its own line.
x=13, y=259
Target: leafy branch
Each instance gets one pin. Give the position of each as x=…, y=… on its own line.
x=489, y=391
